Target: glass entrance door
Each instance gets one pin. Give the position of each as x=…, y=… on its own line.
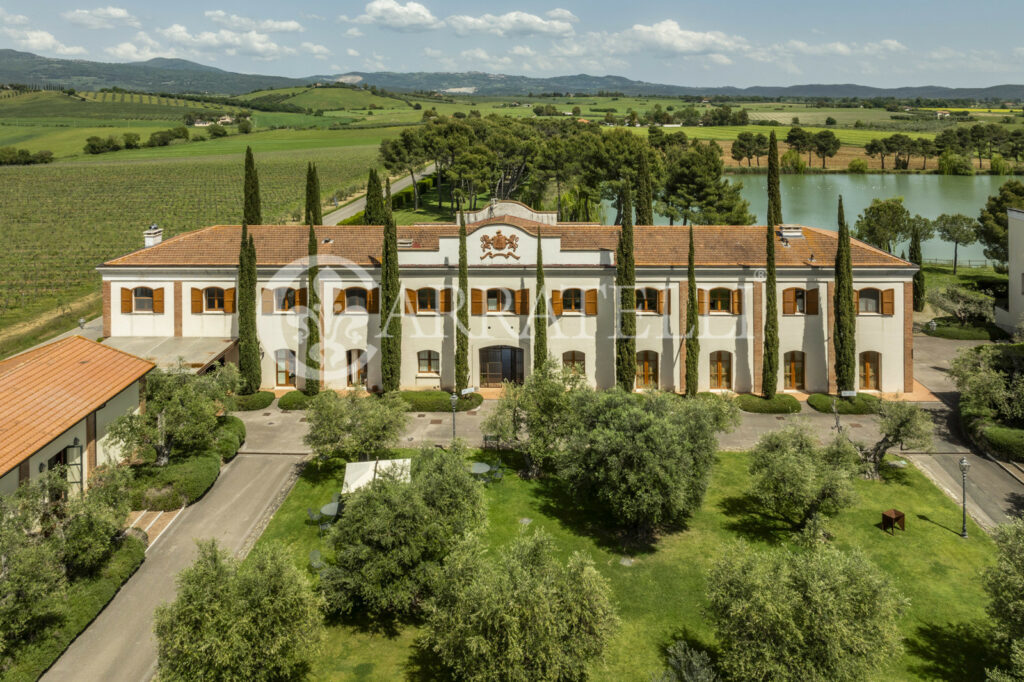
x=499, y=364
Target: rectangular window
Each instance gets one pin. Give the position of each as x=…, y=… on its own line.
x=800, y=300
x=572, y=301
x=426, y=300
x=498, y=300
x=721, y=370
x=356, y=367
x=355, y=298
x=721, y=300
x=285, y=360
x=430, y=362
x=284, y=299
x=215, y=299
x=142, y=300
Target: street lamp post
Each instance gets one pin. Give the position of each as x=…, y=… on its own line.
x=964, y=467
x=455, y=399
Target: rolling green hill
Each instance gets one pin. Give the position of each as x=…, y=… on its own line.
x=328, y=98
x=100, y=105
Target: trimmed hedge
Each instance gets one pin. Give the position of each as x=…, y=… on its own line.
x=864, y=403
x=85, y=599
x=1005, y=441
x=357, y=219
x=986, y=332
x=293, y=400
x=256, y=401
x=439, y=401
x=781, y=403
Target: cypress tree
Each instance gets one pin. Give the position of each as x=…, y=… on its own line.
x=312, y=382
x=692, y=325
x=252, y=213
x=770, y=360
x=644, y=193
x=462, y=319
x=844, y=321
x=625, y=281
x=391, y=305
x=540, y=317
x=248, y=343
x=374, y=213
x=915, y=257
x=314, y=211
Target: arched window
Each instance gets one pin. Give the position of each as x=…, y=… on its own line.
x=430, y=362
x=793, y=367
x=721, y=369
x=426, y=300
x=575, y=360
x=869, y=370
x=356, y=359
x=142, y=300
x=869, y=301
x=647, y=369
x=214, y=299
x=355, y=297
x=499, y=300
x=721, y=300
x=284, y=299
x=572, y=301
x=647, y=300
x=285, y=361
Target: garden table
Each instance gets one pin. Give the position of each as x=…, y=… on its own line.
x=479, y=468
x=330, y=509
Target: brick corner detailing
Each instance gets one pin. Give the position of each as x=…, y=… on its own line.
x=177, y=308
x=908, y=337
x=107, y=322
x=758, y=336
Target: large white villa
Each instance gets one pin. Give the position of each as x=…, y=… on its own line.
x=181, y=293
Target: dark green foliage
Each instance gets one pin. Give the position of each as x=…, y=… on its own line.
x=864, y=403
x=393, y=538
x=257, y=619
x=992, y=221
x=256, y=401
x=696, y=190
x=884, y=223
x=462, y=314
x=522, y=615
x=439, y=401
x=374, y=213
x=774, y=192
x=1004, y=582
x=1005, y=441
x=782, y=403
x=390, y=305
x=692, y=324
x=293, y=400
x=950, y=328
x=686, y=664
x=252, y=213
x=644, y=192
x=625, y=282
x=921, y=229
x=844, y=326
x=540, y=315
x=311, y=383
x=314, y=211
x=248, y=344
x=351, y=427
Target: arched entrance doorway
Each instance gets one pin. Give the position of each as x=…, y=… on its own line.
x=499, y=364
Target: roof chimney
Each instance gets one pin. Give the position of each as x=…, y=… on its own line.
x=153, y=236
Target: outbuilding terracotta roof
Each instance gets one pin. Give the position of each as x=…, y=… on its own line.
x=655, y=245
x=46, y=391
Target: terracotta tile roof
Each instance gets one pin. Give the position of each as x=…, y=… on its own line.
x=717, y=245
x=46, y=391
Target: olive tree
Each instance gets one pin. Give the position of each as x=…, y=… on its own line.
x=965, y=305
x=521, y=615
x=1004, y=582
x=351, y=427
x=900, y=423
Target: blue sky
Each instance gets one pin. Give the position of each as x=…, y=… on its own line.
x=739, y=42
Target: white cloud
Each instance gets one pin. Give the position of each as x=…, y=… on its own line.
x=478, y=57
x=252, y=43
x=668, y=36
x=139, y=49
x=412, y=16
x=433, y=52
x=562, y=15
x=239, y=23
x=101, y=17
x=523, y=51
x=354, y=32
x=510, y=23
x=351, y=52
x=318, y=51
x=12, y=19
x=40, y=41
x=375, y=63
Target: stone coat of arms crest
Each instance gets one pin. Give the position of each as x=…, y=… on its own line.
x=499, y=246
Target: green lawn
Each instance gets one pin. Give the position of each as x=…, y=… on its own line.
x=941, y=276
x=661, y=596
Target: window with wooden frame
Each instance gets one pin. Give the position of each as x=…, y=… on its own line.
x=429, y=362
x=142, y=300
x=285, y=361
x=213, y=297
x=793, y=368
x=647, y=369
x=499, y=301
x=721, y=300
x=871, y=301
x=285, y=299
x=426, y=300
x=647, y=300
x=575, y=360
x=356, y=359
x=572, y=301
x=150, y=300
x=356, y=299
x=797, y=301
x=721, y=370
x=869, y=370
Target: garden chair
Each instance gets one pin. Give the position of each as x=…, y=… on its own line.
x=497, y=476
x=314, y=516
x=315, y=560
x=336, y=497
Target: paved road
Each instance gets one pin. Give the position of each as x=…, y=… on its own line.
x=349, y=210
x=119, y=645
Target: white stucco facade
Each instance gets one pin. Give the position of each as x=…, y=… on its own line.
x=1013, y=313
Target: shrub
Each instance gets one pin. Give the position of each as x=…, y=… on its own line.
x=859, y=166
x=864, y=403
x=780, y=403
x=1005, y=441
x=686, y=664
x=352, y=427
x=951, y=163
x=256, y=401
x=948, y=328
x=294, y=400
x=439, y=401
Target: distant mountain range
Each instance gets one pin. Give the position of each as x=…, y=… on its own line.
x=180, y=75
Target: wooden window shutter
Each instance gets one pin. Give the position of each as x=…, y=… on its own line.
x=158, y=300
x=373, y=300
x=856, y=302
x=268, y=301
x=229, y=300
x=591, y=302
x=517, y=302
x=339, y=301
x=446, y=300
x=812, y=301
x=888, y=301
x=661, y=301
x=476, y=297
x=737, y=301
x=197, y=300
x=789, y=301
x=523, y=298
x=126, y=300
x=556, y=302
x=410, y=302
x=301, y=297
x=702, y=301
